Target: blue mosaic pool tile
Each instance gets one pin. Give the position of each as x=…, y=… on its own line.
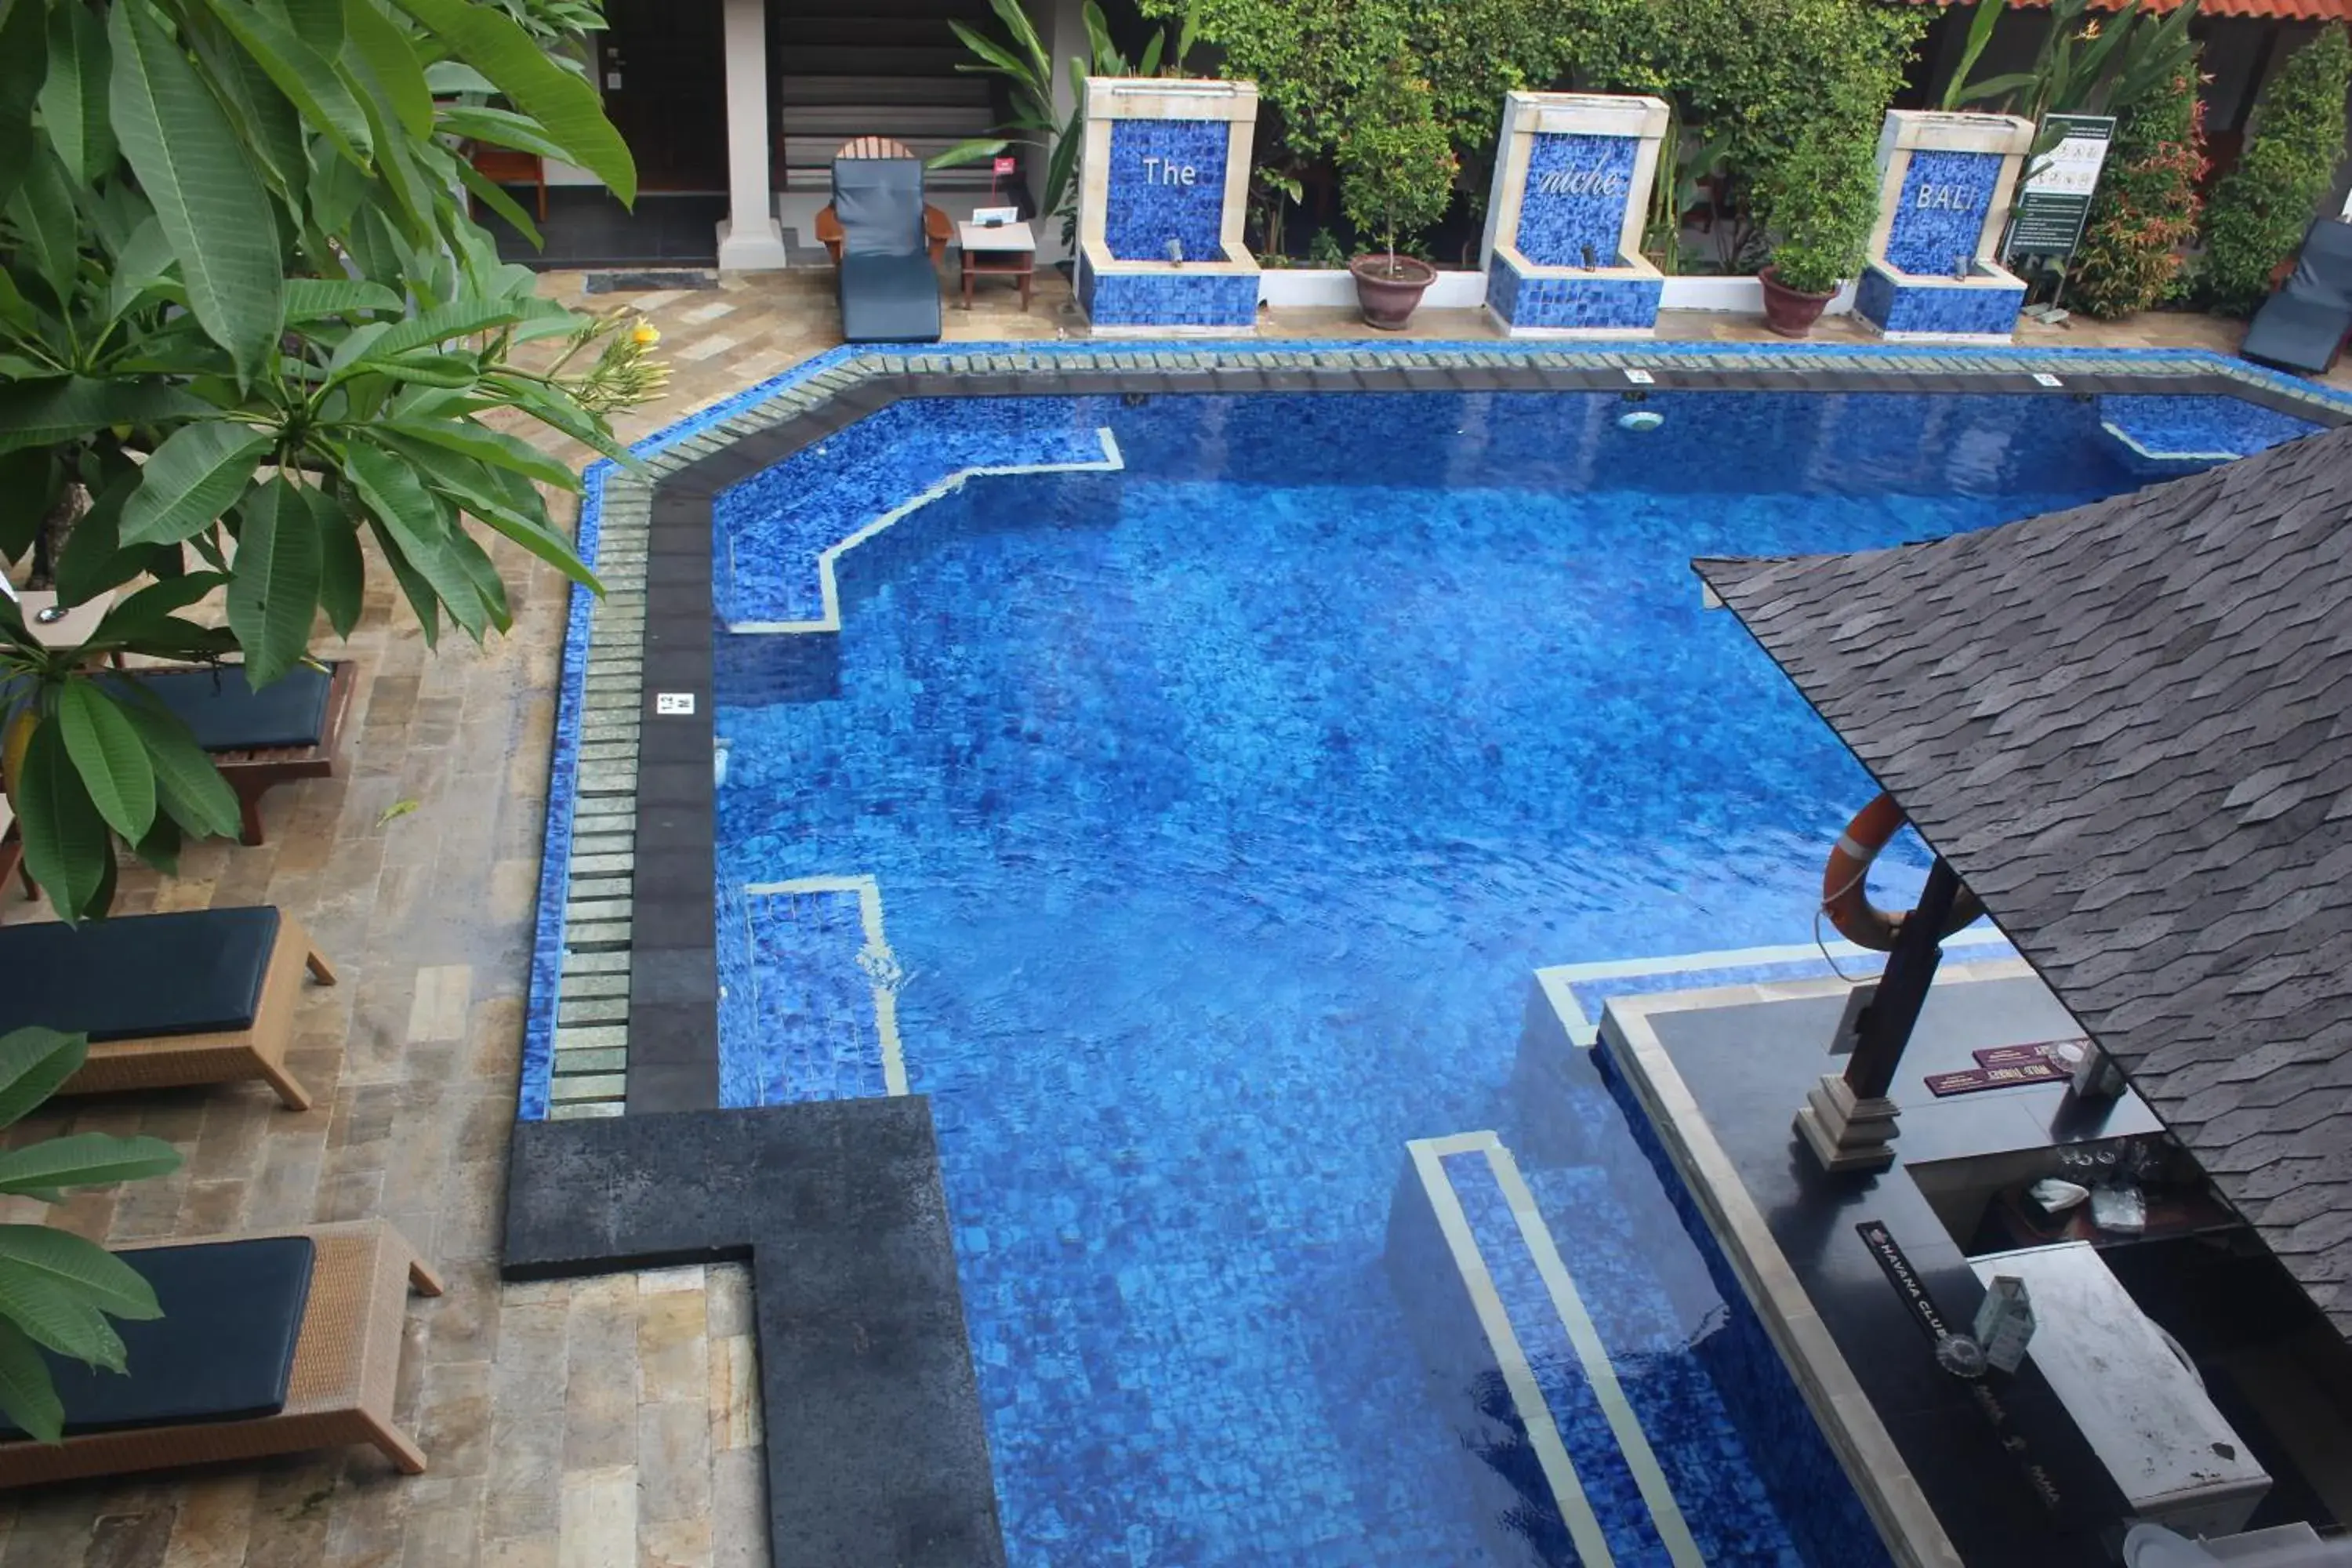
x=797, y=975
x=2173, y=435
x=1941, y=214
x=771, y=530
x=1912, y=306
x=555, y=847
x=555, y=861
x=1519, y=1517
x=1602, y=1470
x=1171, y=298
x=1573, y=211
x=1801, y=1472
x=1167, y=182
x=1595, y=304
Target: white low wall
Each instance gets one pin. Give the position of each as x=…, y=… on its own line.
x=1333, y=287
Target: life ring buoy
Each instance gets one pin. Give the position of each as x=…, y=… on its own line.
x=1846, y=900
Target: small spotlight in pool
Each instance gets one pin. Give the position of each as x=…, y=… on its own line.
x=1639, y=419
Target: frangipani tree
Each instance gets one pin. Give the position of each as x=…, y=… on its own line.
x=248, y=330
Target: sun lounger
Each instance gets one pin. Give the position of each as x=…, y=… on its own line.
x=2303, y=325
x=272, y=1343
x=289, y=729
x=202, y=996
x=937, y=225
x=888, y=273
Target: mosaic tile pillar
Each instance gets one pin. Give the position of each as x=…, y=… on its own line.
x=1161, y=202
x=1945, y=182
x=1563, y=246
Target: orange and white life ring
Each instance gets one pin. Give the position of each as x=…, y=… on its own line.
x=1847, y=902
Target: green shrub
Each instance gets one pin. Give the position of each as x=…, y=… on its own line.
x=1753, y=79
x=1819, y=202
x=2146, y=205
x=1396, y=165
x=2258, y=216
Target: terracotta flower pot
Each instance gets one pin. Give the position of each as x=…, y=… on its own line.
x=1790, y=313
x=1388, y=292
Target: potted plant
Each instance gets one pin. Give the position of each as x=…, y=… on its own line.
x=1396, y=172
x=1818, y=202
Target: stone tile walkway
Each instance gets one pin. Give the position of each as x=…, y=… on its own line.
x=593, y=1424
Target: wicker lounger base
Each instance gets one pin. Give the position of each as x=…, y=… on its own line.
x=346, y=1361
x=173, y=1061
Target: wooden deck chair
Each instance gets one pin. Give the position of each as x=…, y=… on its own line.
x=198, y=997
x=936, y=229
x=274, y=1342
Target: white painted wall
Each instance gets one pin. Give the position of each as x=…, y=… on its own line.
x=1332, y=287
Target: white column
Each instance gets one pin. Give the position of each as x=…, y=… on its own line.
x=749, y=237
x=1061, y=24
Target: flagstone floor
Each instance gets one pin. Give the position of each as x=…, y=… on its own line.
x=594, y=1424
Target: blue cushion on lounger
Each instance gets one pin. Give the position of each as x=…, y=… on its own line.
x=223, y=1350
x=138, y=976
x=228, y=715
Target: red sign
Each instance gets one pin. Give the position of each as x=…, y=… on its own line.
x=1007, y=165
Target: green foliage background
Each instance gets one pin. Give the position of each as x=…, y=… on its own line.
x=1757, y=84
x=2259, y=211
x=2146, y=207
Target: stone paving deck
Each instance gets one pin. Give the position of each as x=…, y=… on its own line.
x=608, y=1421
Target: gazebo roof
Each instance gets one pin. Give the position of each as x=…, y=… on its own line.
x=2129, y=727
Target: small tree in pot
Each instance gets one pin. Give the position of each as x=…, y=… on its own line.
x=1396, y=174
x=1818, y=202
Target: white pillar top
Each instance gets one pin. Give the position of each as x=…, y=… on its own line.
x=1170, y=98
x=1925, y=131
x=1585, y=114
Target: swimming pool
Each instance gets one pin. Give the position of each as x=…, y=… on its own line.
x=1183, y=796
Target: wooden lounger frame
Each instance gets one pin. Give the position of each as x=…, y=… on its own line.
x=171, y=1061
x=255, y=773
x=346, y=1362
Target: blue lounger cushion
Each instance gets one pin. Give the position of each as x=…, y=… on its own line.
x=223, y=1350
x=229, y=715
x=889, y=299
x=890, y=292
x=2303, y=326
x=137, y=977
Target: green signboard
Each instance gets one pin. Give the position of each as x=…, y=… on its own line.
x=2056, y=197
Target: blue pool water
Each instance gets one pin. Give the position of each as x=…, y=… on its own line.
x=1189, y=831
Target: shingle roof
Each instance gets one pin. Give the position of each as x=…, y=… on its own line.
x=2129, y=727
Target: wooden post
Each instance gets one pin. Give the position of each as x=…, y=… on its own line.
x=1847, y=1118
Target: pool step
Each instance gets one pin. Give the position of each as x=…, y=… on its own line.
x=808, y=992
x=1565, y=1473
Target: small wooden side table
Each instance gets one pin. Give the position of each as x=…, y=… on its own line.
x=1005, y=251
x=70, y=630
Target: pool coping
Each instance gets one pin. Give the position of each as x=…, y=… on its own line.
x=636, y=710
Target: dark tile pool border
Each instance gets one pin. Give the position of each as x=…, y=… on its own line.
x=880, y=1455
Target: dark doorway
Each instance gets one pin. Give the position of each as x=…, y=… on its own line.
x=662, y=66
